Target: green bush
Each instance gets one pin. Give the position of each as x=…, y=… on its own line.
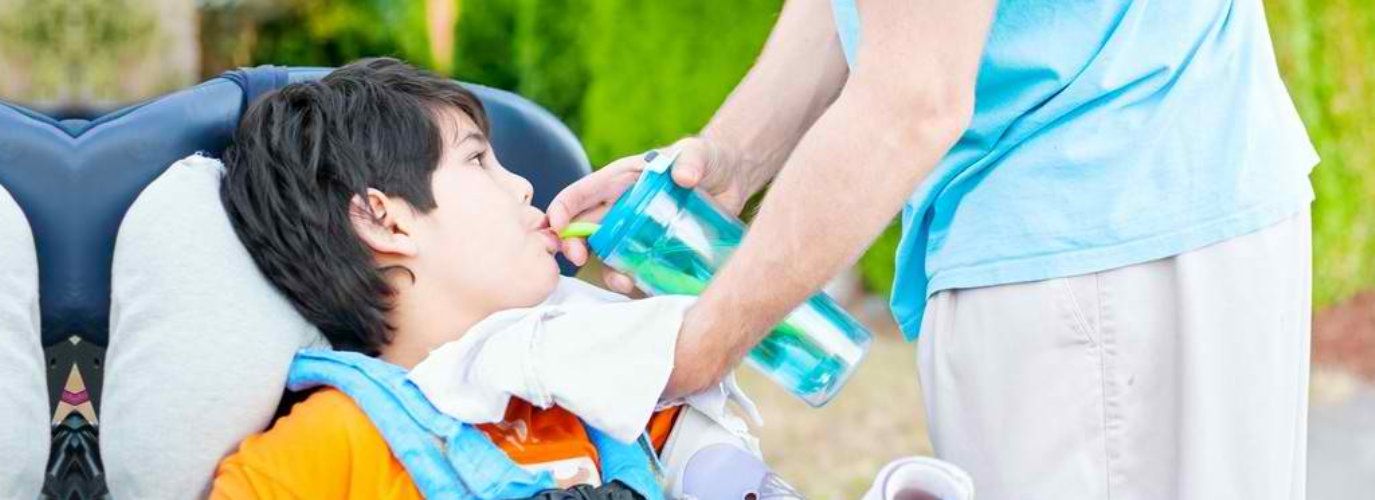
x=1326, y=50
x=334, y=32
x=660, y=69
x=549, y=46
x=485, y=51
x=531, y=47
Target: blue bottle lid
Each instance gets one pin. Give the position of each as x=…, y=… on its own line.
x=625, y=215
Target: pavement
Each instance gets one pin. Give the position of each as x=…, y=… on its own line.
x=1341, y=444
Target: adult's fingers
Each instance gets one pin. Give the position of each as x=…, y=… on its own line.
x=594, y=191
x=575, y=250
x=618, y=282
x=698, y=166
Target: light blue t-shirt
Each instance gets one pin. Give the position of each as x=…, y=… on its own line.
x=1105, y=133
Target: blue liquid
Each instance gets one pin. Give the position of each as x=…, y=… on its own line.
x=791, y=354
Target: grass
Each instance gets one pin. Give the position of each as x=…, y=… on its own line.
x=833, y=452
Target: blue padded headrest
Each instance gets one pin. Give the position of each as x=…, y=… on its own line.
x=76, y=178
x=258, y=81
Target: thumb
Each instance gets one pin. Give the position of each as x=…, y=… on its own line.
x=694, y=164
x=688, y=174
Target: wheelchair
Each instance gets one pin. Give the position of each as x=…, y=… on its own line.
x=76, y=173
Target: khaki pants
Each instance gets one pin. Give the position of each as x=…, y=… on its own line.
x=1182, y=378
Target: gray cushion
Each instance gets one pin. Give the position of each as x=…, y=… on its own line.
x=24, y=427
x=200, y=342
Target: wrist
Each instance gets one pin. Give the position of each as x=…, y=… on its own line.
x=722, y=329
x=699, y=357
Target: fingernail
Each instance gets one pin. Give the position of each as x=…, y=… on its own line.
x=651, y=155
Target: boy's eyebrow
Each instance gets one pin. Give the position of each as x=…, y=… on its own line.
x=471, y=135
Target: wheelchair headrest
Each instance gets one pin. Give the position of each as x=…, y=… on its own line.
x=75, y=178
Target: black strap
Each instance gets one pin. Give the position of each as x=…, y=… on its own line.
x=614, y=490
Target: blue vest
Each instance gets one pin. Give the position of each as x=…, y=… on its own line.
x=469, y=465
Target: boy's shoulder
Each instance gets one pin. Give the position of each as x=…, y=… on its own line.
x=327, y=407
x=326, y=446
x=329, y=418
x=327, y=421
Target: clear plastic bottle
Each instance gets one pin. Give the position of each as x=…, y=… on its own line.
x=672, y=240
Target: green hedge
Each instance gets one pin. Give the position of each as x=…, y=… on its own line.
x=1326, y=50
x=660, y=69
x=334, y=32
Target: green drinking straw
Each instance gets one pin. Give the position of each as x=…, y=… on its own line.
x=579, y=230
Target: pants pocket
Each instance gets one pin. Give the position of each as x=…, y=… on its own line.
x=1081, y=297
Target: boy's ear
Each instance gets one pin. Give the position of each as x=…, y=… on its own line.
x=383, y=223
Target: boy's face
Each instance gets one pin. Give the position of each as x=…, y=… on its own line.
x=488, y=248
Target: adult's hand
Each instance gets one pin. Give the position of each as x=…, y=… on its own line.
x=700, y=164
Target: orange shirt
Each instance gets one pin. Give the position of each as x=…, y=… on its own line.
x=326, y=448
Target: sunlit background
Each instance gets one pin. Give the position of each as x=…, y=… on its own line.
x=628, y=75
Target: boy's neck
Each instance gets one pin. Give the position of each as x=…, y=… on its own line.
x=424, y=321
x=405, y=355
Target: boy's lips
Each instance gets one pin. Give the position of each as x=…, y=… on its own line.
x=540, y=224
x=551, y=240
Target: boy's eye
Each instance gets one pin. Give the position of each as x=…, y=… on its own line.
x=476, y=157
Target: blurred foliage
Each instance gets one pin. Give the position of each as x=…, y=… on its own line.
x=531, y=47
x=549, y=53
x=628, y=75
x=487, y=39
x=878, y=266
x=72, y=48
x=1326, y=50
x=660, y=69
x=333, y=32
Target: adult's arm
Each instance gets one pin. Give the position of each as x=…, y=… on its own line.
x=797, y=76
x=907, y=99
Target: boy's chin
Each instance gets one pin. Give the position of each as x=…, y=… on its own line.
x=539, y=285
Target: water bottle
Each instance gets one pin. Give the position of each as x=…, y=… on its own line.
x=671, y=240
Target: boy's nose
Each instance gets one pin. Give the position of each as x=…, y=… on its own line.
x=526, y=190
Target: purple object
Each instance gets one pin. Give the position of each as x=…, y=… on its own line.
x=725, y=472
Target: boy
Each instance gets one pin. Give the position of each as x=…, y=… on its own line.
x=374, y=202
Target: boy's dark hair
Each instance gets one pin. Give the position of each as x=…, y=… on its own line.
x=302, y=153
